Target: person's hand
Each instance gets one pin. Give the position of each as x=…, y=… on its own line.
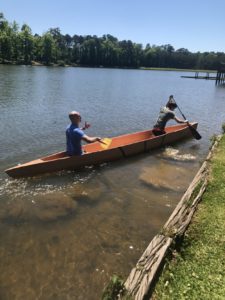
x=98, y=139
x=186, y=121
x=86, y=126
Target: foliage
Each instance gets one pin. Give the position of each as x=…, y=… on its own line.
x=197, y=272
x=223, y=127
x=21, y=46
x=114, y=289
x=213, y=139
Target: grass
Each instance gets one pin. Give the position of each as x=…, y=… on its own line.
x=198, y=270
x=114, y=288
x=223, y=127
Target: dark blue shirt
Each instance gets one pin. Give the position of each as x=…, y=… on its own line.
x=73, y=140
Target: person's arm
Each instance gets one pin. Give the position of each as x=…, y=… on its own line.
x=179, y=120
x=89, y=139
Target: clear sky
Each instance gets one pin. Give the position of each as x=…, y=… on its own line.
x=198, y=25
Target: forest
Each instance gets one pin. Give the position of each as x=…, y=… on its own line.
x=18, y=45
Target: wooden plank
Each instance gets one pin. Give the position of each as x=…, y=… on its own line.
x=141, y=277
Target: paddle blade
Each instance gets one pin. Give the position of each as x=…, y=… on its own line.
x=105, y=143
x=194, y=132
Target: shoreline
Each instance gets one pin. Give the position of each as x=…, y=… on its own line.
x=39, y=64
x=196, y=269
x=159, y=271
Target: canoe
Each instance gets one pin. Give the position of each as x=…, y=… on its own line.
x=94, y=154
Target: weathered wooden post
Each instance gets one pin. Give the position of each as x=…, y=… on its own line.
x=220, y=76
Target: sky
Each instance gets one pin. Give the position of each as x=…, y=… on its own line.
x=197, y=25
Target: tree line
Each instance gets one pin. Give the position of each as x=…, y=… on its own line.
x=20, y=46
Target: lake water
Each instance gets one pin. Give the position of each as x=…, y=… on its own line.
x=63, y=235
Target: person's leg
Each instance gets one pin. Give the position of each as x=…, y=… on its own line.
x=158, y=132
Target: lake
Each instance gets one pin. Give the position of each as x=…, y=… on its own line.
x=64, y=235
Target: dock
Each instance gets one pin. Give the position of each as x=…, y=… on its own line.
x=200, y=76
x=219, y=77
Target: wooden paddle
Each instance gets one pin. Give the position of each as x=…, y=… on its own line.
x=105, y=143
x=194, y=132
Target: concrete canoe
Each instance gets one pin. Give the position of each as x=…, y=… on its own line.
x=94, y=154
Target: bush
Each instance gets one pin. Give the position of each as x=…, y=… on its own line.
x=114, y=289
x=61, y=63
x=223, y=127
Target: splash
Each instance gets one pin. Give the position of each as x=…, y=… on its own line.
x=45, y=198
x=13, y=188
x=172, y=153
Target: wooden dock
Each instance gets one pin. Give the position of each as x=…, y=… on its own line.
x=219, y=77
x=199, y=76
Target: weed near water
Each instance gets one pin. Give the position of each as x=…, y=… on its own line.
x=115, y=288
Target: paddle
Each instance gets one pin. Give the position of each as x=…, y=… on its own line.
x=194, y=132
x=105, y=143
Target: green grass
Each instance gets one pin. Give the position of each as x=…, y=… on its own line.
x=198, y=270
x=114, y=289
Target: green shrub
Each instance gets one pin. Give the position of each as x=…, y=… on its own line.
x=114, y=288
x=223, y=127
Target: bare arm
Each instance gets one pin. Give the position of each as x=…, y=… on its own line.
x=89, y=139
x=179, y=120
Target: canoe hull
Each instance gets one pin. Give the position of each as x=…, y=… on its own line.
x=121, y=146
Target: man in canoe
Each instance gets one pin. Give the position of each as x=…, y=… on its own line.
x=75, y=134
x=166, y=114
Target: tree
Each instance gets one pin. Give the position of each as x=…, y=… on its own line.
x=15, y=41
x=48, y=49
x=109, y=53
x=60, y=44
x=21, y=46
x=6, y=47
x=26, y=41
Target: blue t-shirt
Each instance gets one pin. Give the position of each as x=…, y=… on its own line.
x=73, y=140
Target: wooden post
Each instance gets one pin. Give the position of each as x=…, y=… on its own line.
x=218, y=77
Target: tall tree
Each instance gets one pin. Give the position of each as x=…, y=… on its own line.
x=60, y=43
x=26, y=40
x=48, y=49
x=6, y=47
x=21, y=46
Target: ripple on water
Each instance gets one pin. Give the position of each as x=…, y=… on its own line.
x=43, y=184
x=46, y=198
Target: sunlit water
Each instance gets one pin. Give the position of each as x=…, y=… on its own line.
x=63, y=235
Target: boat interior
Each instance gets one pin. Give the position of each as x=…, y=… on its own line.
x=118, y=141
